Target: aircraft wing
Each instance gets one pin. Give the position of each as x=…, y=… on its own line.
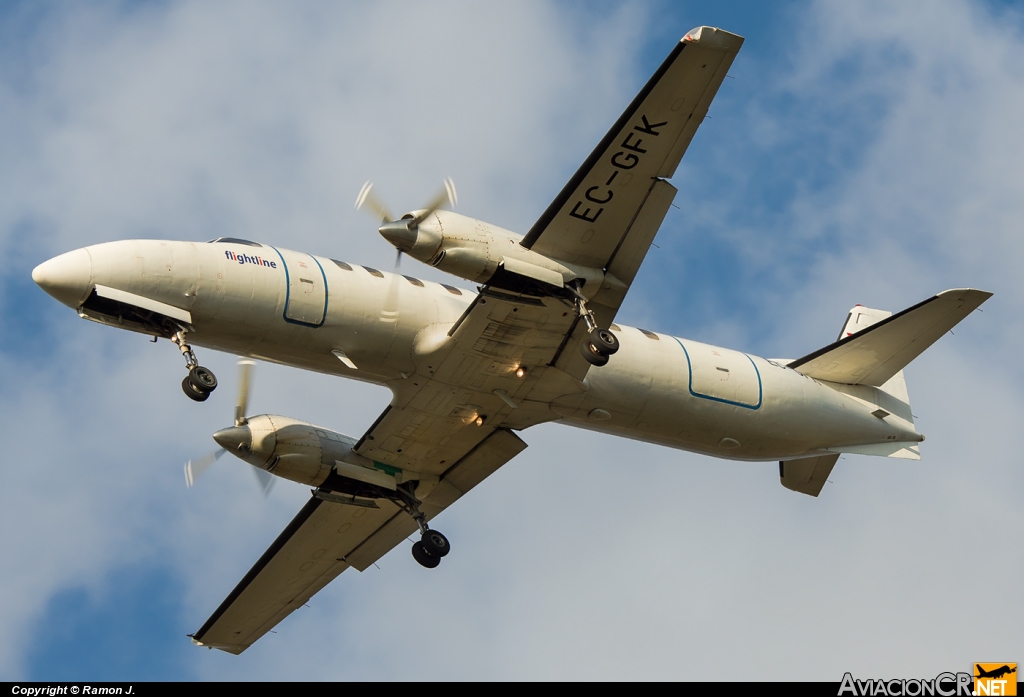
x=468, y=381
x=590, y=221
x=326, y=538
x=467, y=371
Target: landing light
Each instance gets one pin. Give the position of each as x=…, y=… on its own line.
x=520, y=372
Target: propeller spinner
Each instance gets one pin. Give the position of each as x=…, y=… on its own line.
x=403, y=232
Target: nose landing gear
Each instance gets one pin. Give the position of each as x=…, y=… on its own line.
x=200, y=381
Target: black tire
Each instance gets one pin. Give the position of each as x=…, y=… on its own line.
x=203, y=378
x=193, y=391
x=593, y=357
x=435, y=543
x=604, y=341
x=425, y=558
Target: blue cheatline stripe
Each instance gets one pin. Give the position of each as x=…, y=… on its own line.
x=288, y=291
x=689, y=368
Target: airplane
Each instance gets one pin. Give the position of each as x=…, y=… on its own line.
x=468, y=371
x=995, y=673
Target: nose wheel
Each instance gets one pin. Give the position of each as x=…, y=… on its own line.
x=200, y=381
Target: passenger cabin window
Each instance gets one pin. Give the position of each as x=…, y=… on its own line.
x=235, y=240
x=451, y=289
x=373, y=272
x=649, y=335
x=414, y=281
x=342, y=265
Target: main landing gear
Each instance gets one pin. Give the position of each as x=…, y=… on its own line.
x=600, y=343
x=200, y=381
x=432, y=545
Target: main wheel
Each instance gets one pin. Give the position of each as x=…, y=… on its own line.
x=593, y=356
x=203, y=378
x=425, y=558
x=604, y=341
x=193, y=391
x=435, y=543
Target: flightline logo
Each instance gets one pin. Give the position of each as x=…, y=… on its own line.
x=988, y=679
x=250, y=259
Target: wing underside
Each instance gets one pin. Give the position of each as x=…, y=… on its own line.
x=325, y=539
x=586, y=222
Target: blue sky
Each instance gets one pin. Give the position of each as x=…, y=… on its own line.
x=860, y=152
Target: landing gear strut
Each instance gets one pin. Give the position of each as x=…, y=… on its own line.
x=600, y=343
x=200, y=381
x=432, y=545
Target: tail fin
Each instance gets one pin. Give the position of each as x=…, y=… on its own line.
x=883, y=345
x=859, y=319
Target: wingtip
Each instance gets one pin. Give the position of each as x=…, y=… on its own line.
x=973, y=295
x=713, y=37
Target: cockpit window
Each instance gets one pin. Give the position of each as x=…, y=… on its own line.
x=235, y=240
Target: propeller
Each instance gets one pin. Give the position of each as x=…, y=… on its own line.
x=194, y=468
x=401, y=233
x=244, y=378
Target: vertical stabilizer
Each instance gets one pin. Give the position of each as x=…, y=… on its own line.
x=859, y=319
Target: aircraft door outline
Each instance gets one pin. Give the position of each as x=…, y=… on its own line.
x=306, y=295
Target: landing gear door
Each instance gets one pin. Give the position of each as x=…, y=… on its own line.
x=306, y=300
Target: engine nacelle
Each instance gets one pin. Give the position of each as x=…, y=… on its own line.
x=483, y=253
x=305, y=453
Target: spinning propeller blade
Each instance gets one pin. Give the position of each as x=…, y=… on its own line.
x=389, y=313
x=194, y=468
x=244, y=378
x=448, y=194
x=372, y=203
x=266, y=480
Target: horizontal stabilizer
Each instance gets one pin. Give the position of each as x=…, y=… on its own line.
x=807, y=475
x=875, y=354
x=897, y=449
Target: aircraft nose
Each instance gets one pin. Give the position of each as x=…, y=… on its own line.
x=234, y=439
x=67, y=277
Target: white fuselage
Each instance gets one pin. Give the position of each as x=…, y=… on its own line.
x=296, y=309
